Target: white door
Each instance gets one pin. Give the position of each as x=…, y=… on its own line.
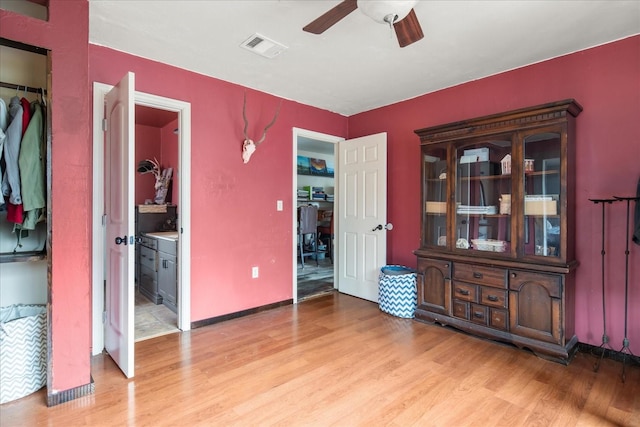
x=120, y=239
x=362, y=214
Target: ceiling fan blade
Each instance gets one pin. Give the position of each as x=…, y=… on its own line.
x=408, y=30
x=326, y=21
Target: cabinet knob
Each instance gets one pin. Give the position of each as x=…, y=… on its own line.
x=477, y=275
x=492, y=298
x=446, y=266
x=463, y=291
x=514, y=275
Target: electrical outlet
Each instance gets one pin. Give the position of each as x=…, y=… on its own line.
x=279, y=205
x=254, y=272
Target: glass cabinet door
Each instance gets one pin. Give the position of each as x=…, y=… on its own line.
x=542, y=194
x=434, y=188
x=483, y=196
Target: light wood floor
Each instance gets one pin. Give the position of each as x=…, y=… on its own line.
x=338, y=360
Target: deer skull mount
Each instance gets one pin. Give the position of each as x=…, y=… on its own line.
x=248, y=146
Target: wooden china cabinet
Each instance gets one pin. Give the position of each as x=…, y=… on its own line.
x=497, y=253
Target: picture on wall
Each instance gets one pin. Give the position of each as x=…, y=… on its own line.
x=311, y=166
x=318, y=167
x=303, y=166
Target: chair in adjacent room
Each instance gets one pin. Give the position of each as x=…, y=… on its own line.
x=307, y=226
x=326, y=234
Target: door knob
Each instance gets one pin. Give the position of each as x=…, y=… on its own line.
x=121, y=240
x=388, y=226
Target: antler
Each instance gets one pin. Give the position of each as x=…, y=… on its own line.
x=264, y=132
x=246, y=122
x=244, y=117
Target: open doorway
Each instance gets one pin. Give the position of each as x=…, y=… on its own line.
x=156, y=143
x=181, y=268
x=314, y=185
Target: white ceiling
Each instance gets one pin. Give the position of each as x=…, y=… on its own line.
x=356, y=65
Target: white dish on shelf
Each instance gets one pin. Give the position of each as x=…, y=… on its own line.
x=490, y=245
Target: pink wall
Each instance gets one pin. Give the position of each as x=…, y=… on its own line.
x=606, y=82
x=148, y=146
x=169, y=152
x=66, y=35
x=160, y=144
x=234, y=222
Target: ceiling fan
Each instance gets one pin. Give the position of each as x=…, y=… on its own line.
x=396, y=13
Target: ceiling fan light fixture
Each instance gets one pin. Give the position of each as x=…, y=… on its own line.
x=386, y=11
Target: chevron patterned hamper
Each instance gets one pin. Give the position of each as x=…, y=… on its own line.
x=23, y=350
x=397, y=292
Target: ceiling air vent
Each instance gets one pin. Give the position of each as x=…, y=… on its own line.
x=263, y=46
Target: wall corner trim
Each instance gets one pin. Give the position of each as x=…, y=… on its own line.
x=57, y=398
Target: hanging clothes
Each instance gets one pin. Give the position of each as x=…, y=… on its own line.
x=32, y=174
x=26, y=113
x=11, y=177
x=4, y=123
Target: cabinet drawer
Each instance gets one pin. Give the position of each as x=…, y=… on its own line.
x=461, y=309
x=148, y=242
x=168, y=246
x=493, y=297
x=148, y=282
x=552, y=282
x=148, y=258
x=490, y=276
x=498, y=319
x=146, y=271
x=465, y=291
x=479, y=314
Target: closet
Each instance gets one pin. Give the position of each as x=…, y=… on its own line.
x=23, y=252
x=24, y=229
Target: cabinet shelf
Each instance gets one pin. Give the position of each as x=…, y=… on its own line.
x=22, y=257
x=484, y=177
x=309, y=201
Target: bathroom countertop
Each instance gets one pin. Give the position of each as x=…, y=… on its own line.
x=166, y=235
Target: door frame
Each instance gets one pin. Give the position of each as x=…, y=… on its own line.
x=183, y=109
x=323, y=137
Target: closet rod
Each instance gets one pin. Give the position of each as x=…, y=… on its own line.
x=23, y=46
x=23, y=87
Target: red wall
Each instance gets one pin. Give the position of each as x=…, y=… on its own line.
x=160, y=144
x=234, y=223
x=66, y=35
x=148, y=146
x=169, y=153
x=606, y=82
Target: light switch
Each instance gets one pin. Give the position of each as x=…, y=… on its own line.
x=279, y=205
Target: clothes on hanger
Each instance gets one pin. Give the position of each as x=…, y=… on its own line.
x=23, y=158
x=33, y=175
x=4, y=123
x=11, y=177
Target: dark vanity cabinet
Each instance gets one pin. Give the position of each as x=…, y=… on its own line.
x=147, y=252
x=168, y=272
x=497, y=254
x=147, y=260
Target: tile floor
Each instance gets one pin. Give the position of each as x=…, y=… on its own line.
x=153, y=320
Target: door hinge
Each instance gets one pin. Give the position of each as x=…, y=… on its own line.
x=104, y=317
x=104, y=125
x=104, y=220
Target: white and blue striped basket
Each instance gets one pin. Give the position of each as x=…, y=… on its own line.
x=397, y=291
x=23, y=350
